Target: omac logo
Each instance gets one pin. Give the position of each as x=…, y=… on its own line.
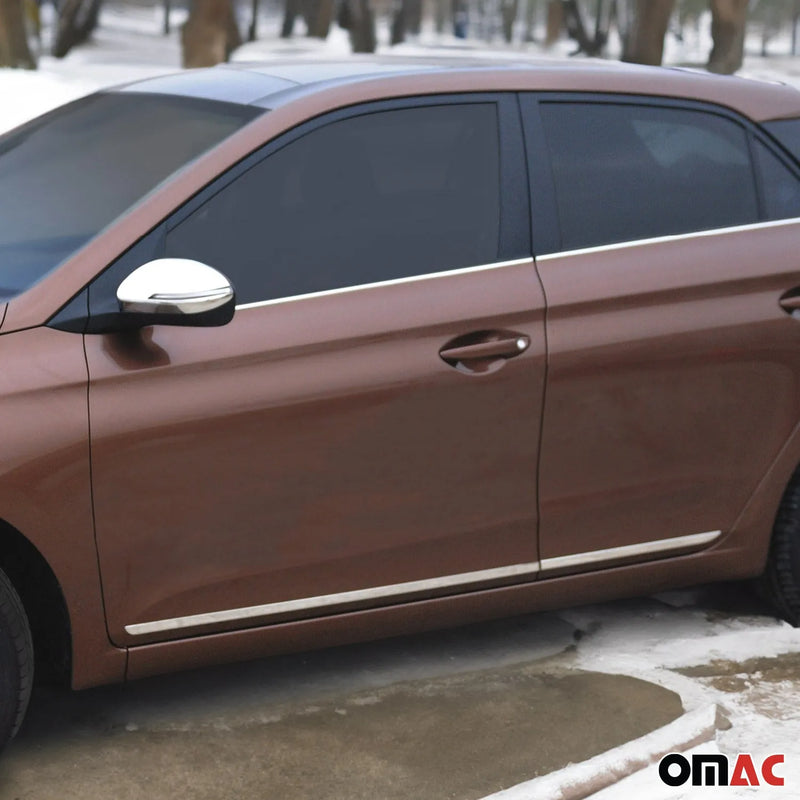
x=717, y=770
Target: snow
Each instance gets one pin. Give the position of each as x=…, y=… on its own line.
x=649, y=639
x=652, y=639
x=605, y=769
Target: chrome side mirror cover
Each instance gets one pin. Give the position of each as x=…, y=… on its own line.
x=177, y=291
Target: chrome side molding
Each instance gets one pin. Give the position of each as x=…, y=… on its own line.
x=655, y=547
x=520, y=571
x=462, y=580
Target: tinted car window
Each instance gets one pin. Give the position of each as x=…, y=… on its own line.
x=779, y=185
x=626, y=172
x=385, y=195
x=67, y=175
x=787, y=132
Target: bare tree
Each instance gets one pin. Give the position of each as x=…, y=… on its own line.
x=14, y=50
x=407, y=18
x=577, y=28
x=77, y=19
x=291, y=11
x=357, y=18
x=319, y=16
x=644, y=41
x=728, y=22
x=555, y=22
x=795, y=20
x=210, y=34
x=508, y=11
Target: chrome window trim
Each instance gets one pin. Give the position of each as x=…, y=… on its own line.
x=519, y=261
x=393, y=282
x=675, y=237
x=464, y=579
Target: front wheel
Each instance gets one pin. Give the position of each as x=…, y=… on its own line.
x=781, y=579
x=16, y=661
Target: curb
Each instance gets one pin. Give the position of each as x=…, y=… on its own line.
x=577, y=781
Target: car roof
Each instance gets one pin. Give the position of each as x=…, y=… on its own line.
x=275, y=83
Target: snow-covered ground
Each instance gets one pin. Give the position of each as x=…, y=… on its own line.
x=669, y=640
x=736, y=660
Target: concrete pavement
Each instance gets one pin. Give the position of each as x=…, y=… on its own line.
x=486, y=707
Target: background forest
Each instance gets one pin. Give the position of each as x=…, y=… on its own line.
x=211, y=30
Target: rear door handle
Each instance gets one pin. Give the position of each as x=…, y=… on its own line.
x=483, y=351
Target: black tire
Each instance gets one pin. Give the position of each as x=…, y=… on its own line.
x=16, y=661
x=781, y=580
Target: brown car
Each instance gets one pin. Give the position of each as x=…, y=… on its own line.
x=304, y=354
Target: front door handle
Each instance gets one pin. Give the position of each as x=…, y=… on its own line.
x=790, y=302
x=483, y=351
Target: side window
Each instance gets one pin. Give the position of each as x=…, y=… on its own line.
x=385, y=195
x=624, y=172
x=780, y=187
x=787, y=132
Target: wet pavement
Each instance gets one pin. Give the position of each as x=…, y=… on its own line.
x=463, y=736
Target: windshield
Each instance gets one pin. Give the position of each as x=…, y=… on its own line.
x=65, y=176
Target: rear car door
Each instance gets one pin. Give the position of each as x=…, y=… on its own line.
x=365, y=430
x=673, y=369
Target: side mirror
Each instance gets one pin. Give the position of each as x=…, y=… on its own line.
x=176, y=291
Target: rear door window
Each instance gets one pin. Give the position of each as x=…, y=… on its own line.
x=787, y=132
x=625, y=171
x=780, y=187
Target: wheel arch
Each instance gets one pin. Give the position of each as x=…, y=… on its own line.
x=754, y=525
x=44, y=603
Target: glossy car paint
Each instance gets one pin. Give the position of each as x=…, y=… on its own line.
x=672, y=384
x=314, y=446
x=153, y=413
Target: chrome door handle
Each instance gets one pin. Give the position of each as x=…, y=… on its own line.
x=500, y=348
x=790, y=302
x=483, y=351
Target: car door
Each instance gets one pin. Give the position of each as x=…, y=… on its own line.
x=673, y=369
x=365, y=430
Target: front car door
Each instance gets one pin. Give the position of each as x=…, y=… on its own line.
x=318, y=453
x=673, y=370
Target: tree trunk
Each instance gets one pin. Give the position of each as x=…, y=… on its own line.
x=440, y=14
x=509, y=10
x=460, y=18
x=76, y=21
x=252, y=28
x=319, y=17
x=555, y=22
x=14, y=50
x=290, y=13
x=795, y=18
x=645, y=39
x=210, y=34
x=414, y=18
x=399, y=22
x=728, y=22
x=356, y=16
x=530, y=20
x=576, y=28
